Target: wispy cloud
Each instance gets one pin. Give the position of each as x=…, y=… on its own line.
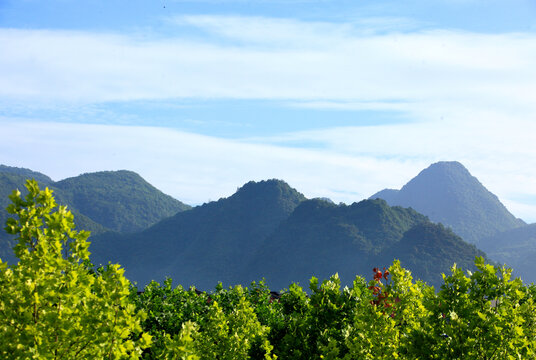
x=470, y=96
x=325, y=62
x=191, y=167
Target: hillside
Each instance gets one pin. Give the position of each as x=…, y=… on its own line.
x=447, y=193
x=26, y=173
x=321, y=239
x=119, y=200
x=206, y=244
x=269, y=230
x=115, y=200
x=430, y=249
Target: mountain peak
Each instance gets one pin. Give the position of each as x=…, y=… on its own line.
x=445, y=168
x=26, y=173
x=448, y=165
x=263, y=185
x=447, y=192
x=112, y=197
x=269, y=190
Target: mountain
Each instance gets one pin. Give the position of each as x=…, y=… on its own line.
x=447, y=193
x=119, y=200
x=15, y=179
x=321, y=239
x=111, y=200
x=206, y=244
x=268, y=229
x=26, y=173
x=429, y=249
x=516, y=248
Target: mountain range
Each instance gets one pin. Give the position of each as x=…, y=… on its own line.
x=268, y=229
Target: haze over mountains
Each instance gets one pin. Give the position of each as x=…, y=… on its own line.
x=268, y=229
x=447, y=193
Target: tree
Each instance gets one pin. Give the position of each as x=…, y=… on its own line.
x=52, y=304
x=481, y=315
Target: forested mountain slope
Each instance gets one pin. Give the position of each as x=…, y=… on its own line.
x=207, y=244
x=103, y=201
x=119, y=200
x=320, y=239
x=269, y=230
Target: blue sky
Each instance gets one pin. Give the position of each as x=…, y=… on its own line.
x=338, y=98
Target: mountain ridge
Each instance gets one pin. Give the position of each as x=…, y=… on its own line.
x=207, y=238
x=268, y=228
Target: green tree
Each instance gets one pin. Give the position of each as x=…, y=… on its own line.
x=52, y=304
x=482, y=315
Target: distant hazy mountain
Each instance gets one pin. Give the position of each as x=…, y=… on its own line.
x=446, y=192
x=516, y=248
x=207, y=244
x=321, y=239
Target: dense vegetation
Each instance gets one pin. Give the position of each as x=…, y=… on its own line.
x=53, y=304
x=483, y=315
x=447, y=193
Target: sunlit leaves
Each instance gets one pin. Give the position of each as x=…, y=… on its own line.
x=52, y=305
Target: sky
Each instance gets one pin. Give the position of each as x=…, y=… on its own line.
x=338, y=98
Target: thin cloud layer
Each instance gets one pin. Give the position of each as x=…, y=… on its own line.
x=196, y=168
x=191, y=167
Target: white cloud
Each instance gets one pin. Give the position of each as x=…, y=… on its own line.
x=472, y=97
x=281, y=59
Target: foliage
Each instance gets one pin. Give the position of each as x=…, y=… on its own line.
x=52, y=304
x=482, y=315
x=189, y=324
